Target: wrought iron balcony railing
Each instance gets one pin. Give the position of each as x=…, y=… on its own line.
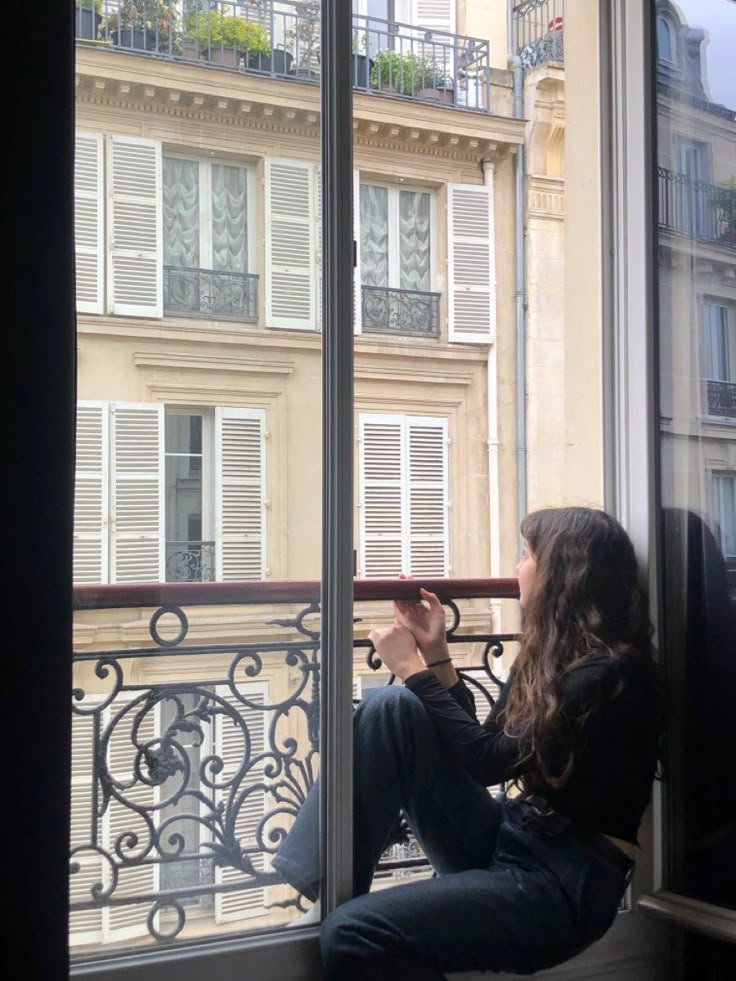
x=696, y=209
x=190, y=561
x=211, y=293
x=720, y=398
x=191, y=758
x=281, y=38
x=391, y=311
x=539, y=34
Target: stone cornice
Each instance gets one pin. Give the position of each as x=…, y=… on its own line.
x=238, y=99
x=199, y=362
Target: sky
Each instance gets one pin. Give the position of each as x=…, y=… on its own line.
x=718, y=19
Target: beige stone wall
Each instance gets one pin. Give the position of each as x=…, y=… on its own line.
x=485, y=19
x=582, y=453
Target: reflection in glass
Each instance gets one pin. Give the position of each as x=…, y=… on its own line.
x=696, y=158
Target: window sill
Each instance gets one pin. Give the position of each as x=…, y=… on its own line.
x=728, y=421
x=693, y=914
x=282, y=954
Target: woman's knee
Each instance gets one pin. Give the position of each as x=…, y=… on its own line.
x=391, y=699
x=347, y=943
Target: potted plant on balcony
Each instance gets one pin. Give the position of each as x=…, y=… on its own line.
x=87, y=19
x=144, y=25
x=404, y=74
x=726, y=203
x=362, y=64
x=225, y=40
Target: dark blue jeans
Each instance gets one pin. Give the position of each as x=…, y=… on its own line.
x=517, y=890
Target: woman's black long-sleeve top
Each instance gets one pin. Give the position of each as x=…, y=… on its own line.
x=615, y=746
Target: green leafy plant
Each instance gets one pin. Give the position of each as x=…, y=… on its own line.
x=153, y=16
x=89, y=5
x=407, y=73
x=214, y=31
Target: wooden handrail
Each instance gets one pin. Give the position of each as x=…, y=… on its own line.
x=119, y=596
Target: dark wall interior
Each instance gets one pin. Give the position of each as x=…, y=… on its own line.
x=38, y=389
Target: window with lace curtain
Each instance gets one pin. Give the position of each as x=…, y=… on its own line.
x=396, y=256
x=205, y=239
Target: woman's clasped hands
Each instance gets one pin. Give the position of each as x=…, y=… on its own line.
x=415, y=639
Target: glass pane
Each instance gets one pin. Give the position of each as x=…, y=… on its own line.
x=374, y=235
x=198, y=465
x=229, y=226
x=183, y=433
x=696, y=150
x=181, y=212
x=183, y=499
x=414, y=245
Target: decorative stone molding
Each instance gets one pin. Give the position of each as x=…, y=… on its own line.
x=546, y=197
x=179, y=361
x=244, y=100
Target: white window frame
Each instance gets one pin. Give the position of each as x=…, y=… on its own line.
x=719, y=480
x=394, y=241
x=702, y=150
x=208, y=461
x=730, y=329
x=205, y=203
x=669, y=27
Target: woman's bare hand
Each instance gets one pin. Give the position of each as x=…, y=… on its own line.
x=397, y=649
x=427, y=624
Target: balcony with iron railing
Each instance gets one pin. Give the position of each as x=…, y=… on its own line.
x=393, y=311
x=210, y=293
x=196, y=740
x=538, y=31
x=696, y=209
x=281, y=39
x=720, y=399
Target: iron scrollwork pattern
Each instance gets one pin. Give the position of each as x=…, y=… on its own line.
x=721, y=398
x=188, y=787
x=539, y=32
x=211, y=293
x=190, y=561
x=395, y=311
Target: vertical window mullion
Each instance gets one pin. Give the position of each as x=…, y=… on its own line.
x=394, y=245
x=205, y=214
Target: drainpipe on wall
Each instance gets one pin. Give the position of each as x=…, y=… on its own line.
x=519, y=288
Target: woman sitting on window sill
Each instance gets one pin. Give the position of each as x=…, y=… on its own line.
x=530, y=881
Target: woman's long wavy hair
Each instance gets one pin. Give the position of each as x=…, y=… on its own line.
x=585, y=599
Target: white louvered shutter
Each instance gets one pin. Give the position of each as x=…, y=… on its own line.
x=132, y=728
x=381, y=496
x=428, y=497
x=318, y=246
x=91, y=494
x=357, y=285
x=243, y=820
x=436, y=15
x=89, y=237
x=471, y=273
x=240, y=493
x=135, y=252
x=291, y=283
x=85, y=926
x=137, y=511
